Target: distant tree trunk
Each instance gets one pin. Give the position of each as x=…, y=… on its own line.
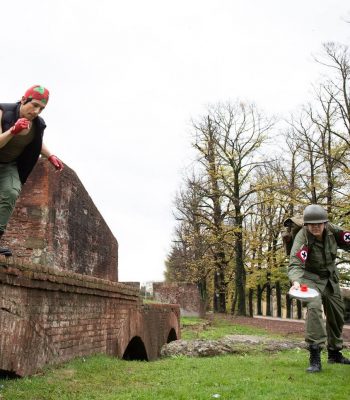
x=268, y=299
x=202, y=288
x=299, y=309
x=216, y=302
x=279, y=299
x=234, y=301
x=251, y=306
x=240, y=271
x=288, y=306
x=221, y=264
x=259, y=293
x=220, y=290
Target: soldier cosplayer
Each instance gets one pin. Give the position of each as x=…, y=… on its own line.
x=312, y=262
x=21, y=143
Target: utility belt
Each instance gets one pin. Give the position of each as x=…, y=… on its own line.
x=322, y=274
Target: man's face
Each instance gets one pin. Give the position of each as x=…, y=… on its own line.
x=316, y=229
x=31, y=109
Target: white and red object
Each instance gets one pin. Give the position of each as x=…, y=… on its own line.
x=303, y=293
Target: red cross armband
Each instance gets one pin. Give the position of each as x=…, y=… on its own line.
x=302, y=253
x=344, y=237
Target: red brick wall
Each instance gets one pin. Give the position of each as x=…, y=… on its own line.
x=54, y=304
x=49, y=316
x=184, y=294
x=56, y=223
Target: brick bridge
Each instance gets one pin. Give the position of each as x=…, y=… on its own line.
x=59, y=296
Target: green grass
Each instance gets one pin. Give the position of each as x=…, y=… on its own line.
x=259, y=376
x=196, y=328
x=278, y=376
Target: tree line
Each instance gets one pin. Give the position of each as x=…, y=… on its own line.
x=251, y=172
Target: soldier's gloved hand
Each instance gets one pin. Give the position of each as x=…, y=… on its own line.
x=56, y=162
x=296, y=285
x=20, y=125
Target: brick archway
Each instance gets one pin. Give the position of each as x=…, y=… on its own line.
x=135, y=350
x=172, y=336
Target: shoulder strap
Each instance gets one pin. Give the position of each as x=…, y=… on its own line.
x=10, y=113
x=306, y=237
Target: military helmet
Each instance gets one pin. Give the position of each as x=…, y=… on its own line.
x=315, y=214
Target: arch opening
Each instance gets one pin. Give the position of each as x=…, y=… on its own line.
x=8, y=374
x=135, y=350
x=172, y=335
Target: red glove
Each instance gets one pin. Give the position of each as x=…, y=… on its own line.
x=20, y=125
x=56, y=162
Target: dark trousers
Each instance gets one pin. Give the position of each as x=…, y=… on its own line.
x=10, y=188
x=333, y=306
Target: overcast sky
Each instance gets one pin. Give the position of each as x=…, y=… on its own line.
x=126, y=77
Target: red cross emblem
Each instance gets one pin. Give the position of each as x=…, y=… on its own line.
x=302, y=254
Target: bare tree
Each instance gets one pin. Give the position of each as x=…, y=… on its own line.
x=214, y=208
x=336, y=57
x=305, y=138
x=241, y=131
x=189, y=259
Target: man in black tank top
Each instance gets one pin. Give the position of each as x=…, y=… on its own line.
x=21, y=143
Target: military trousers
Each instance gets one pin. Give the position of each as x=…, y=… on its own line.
x=318, y=332
x=10, y=189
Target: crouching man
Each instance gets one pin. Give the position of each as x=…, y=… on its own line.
x=312, y=262
x=21, y=143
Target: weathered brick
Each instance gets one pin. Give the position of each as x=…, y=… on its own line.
x=60, y=297
x=56, y=223
x=184, y=294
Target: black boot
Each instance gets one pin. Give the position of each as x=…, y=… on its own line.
x=3, y=250
x=315, y=358
x=336, y=357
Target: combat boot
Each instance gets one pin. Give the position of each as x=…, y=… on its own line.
x=4, y=250
x=336, y=357
x=315, y=358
